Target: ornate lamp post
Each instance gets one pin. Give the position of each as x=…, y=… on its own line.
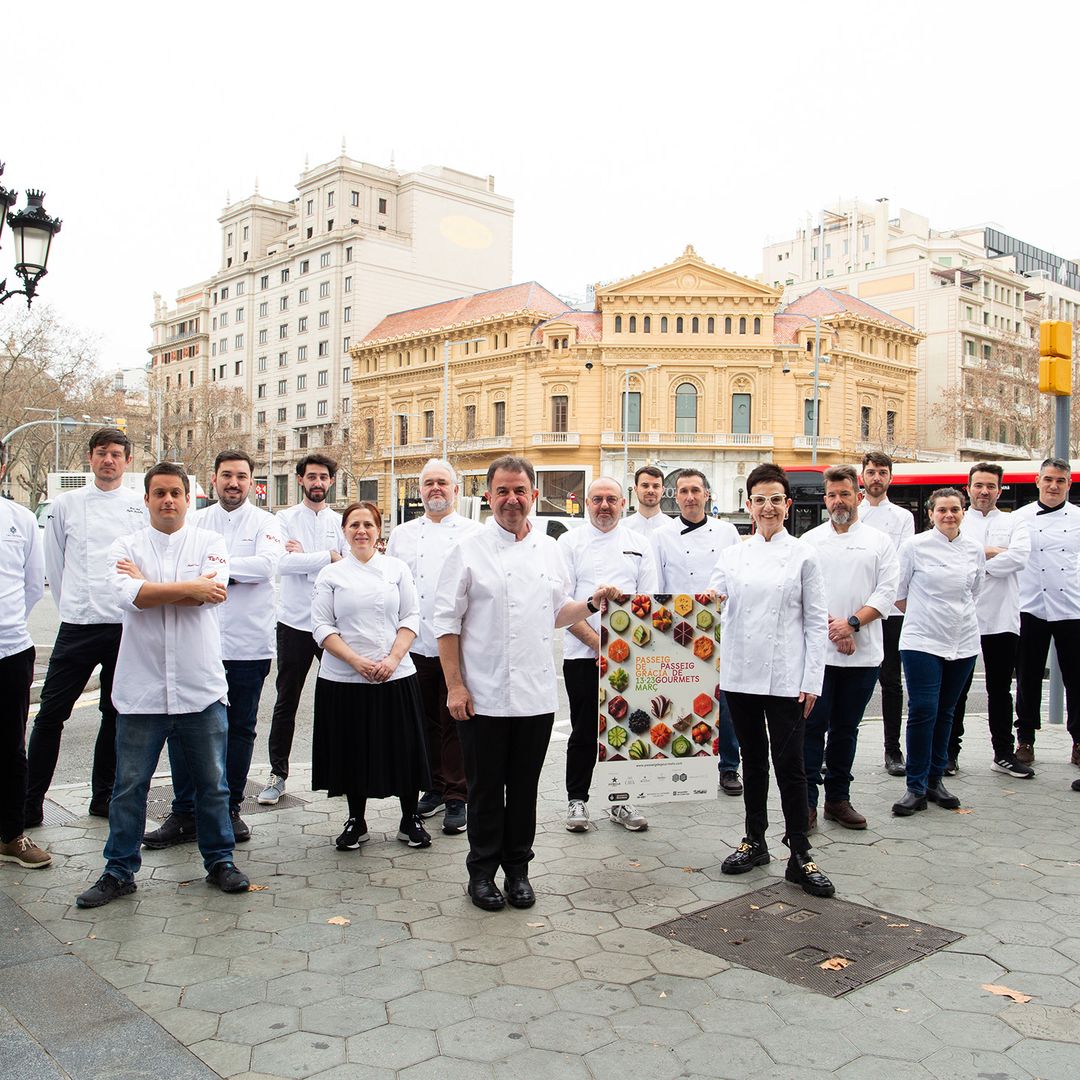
x=32, y=230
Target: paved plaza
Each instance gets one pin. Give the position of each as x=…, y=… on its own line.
x=373, y=964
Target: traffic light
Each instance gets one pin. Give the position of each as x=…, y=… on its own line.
x=1055, y=358
x=121, y=424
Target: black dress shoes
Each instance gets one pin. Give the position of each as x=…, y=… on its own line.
x=909, y=804
x=519, y=893
x=894, y=763
x=803, y=871
x=485, y=894
x=942, y=796
x=746, y=856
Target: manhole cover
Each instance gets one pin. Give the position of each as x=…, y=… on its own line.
x=830, y=946
x=159, y=801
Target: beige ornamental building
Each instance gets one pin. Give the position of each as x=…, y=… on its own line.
x=716, y=375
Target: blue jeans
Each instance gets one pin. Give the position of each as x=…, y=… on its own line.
x=139, y=741
x=728, y=757
x=934, y=685
x=837, y=714
x=245, y=678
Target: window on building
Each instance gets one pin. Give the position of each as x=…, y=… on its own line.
x=560, y=410
x=630, y=411
x=740, y=414
x=239, y=316
x=284, y=275
x=382, y=206
x=470, y=421
x=224, y=319
x=890, y=425
x=686, y=402
x=283, y=303
x=646, y=325
x=324, y=378
x=633, y=324
x=757, y=325
x=301, y=411
x=329, y=199
x=264, y=310
x=238, y=367
x=324, y=289
x=263, y=336
x=346, y=314
x=808, y=418
x=324, y=259
x=282, y=386
x=618, y=324
x=695, y=325
x=348, y=283
x=679, y=325
x=710, y=326
x=223, y=345
x=264, y=281
x=190, y=436
x=260, y=417
x=500, y=418
x=429, y=424
x=320, y=408
x=225, y=293
x=301, y=353
x=346, y=342
x=262, y=363
x=346, y=406
x=742, y=324
x=311, y=206
x=864, y=422
x=663, y=324
x=301, y=324
x=303, y=296
x=302, y=438
x=727, y=324
x=346, y=374
x=301, y=382
x=969, y=347
x=260, y=390
x=238, y=341
x=369, y=432
x=348, y=254
x=324, y=318
x=324, y=348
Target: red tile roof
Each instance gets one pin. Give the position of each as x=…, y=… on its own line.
x=528, y=296
x=786, y=328
x=589, y=324
x=829, y=302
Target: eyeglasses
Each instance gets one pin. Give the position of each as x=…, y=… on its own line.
x=601, y=500
x=772, y=500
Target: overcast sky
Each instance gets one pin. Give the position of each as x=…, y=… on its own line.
x=622, y=131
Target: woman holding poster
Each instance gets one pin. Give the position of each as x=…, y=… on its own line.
x=774, y=629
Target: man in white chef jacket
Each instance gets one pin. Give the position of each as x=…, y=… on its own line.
x=501, y=594
x=1006, y=542
x=80, y=530
x=1049, y=606
x=423, y=544
x=649, y=490
x=898, y=525
x=861, y=569
x=169, y=580
x=686, y=555
x=602, y=550
x=313, y=539
x=254, y=543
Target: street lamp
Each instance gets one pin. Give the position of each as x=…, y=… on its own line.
x=818, y=361
x=626, y=424
x=446, y=387
x=32, y=230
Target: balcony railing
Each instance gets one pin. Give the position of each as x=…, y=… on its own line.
x=492, y=442
x=556, y=438
x=824, y=442
x=993, y=449
x=718, y=439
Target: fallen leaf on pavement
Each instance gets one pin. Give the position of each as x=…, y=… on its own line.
x=834, y=963
x=963, y=810
x=903, y=1010
x=898, y=925
x=1004, y=991
x=536, y=925
x=339, y=920
x=663, y=993
x=634, y=864
x=258, y=888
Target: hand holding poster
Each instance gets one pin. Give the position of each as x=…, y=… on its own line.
x=659, y=704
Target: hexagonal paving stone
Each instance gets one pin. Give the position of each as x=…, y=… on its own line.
x=646, y=1024
x=342, y=959
x=490, y=950
x=563, y=945
x=618, y=1060
x=429, y=1009
x=672, y=992
x=952, y=1063
x=974, y=1032
x=446, y=1068
x=569, y=1033
x=530, y=1063
x=224, y=995
x=804, y=1046
x=461, y=977
x=733, y=1056
x=383, y=983
x=343, y=1016
x=417, y=955
x=610, y=967
x=880, y=1068
x=258, y=1023
x=188, y=1025
x=200, y=923
x=392, y=1046
x=270, y=962
x=149, y=950
x=303, y=988
x=300, y=1054
x=514, y=1004
x=226, y=1059
x=543, y=972
x=480, y=1039
x=594, y=998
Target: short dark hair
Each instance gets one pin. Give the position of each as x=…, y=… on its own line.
x=107, y=436
x=512, y=463
x=945, y=493
x=987, y=466
x=839, y=474
x=684, y=473
x=876, y=457
x=648, y=470
x=1056, y=463
x=328, y=463
x=768, y=473
x=167, y=468
x=234, y=455
x=351, y=509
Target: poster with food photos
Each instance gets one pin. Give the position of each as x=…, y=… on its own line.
x=659, y=699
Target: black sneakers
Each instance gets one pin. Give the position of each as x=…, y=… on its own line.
x=354, y=835
x=412, y=832
x=240, y=829
x=455, y=819
x=175, y=829
x=227, y=878
x=431, y=802
x=1011, y=767
x=104, y=891
x=746, y=856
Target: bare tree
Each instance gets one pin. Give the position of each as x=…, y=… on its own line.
x=199, y=423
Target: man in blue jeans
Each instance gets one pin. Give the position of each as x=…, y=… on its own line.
x=170, y=680
x=861, y=569
x=247, y=619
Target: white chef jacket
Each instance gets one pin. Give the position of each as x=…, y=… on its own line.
x=774, y=623
x=1049, y=588
x=998, y=605
x=593, y=558
x=423, y=544
x=22, y=576
x=366, y=603
x=170, y=656
x=686, y=560
x=502, y=596
x=319, y=533
x=253, y=539
x=894, y=521
x=860, y=568
x=649, y=526
x=79, y=534
x=941, y=581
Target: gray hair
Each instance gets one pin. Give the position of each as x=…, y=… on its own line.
x=438, y=463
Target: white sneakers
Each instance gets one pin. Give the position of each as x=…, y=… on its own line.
x=271, y=794
x=577, y=817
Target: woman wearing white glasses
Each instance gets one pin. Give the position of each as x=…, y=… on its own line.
x=774, y=630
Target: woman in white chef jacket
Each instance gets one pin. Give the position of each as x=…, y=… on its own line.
x=367, y=740
x=774, y=629
x=941, y=573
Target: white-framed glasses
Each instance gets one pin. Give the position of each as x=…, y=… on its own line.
x=771, y=500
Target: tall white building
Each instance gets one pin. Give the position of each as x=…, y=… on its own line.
x=298, y=282
x=977, y=294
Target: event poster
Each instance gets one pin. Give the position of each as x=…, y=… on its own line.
x=659, y=699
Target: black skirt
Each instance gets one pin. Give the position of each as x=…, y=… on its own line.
x=368, y=739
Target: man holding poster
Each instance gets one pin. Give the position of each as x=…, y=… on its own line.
x=603, y=549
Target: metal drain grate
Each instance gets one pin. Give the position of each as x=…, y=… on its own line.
x=53, y=813
x=782, y=931
x=159, y=801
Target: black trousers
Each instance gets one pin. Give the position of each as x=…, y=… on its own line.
x=582, y=678
x=1035, y=635
x=296, y=650
x=440, y=730
x=892, y=686
x=16, y=675
x=77, y=651
x=759, y=719
x=503, y=759
x=999, y=664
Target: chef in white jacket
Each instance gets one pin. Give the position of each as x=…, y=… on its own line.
x=774, y=630
x=648, y=518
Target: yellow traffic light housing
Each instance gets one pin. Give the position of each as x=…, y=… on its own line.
x=121, y=424
x=1055, y=358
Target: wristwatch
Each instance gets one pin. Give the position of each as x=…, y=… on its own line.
x=853, y=622
x=591, y=606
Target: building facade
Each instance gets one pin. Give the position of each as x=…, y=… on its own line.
x=260, y=351
x=686, y=365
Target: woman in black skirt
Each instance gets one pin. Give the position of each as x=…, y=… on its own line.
x=367, y=740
